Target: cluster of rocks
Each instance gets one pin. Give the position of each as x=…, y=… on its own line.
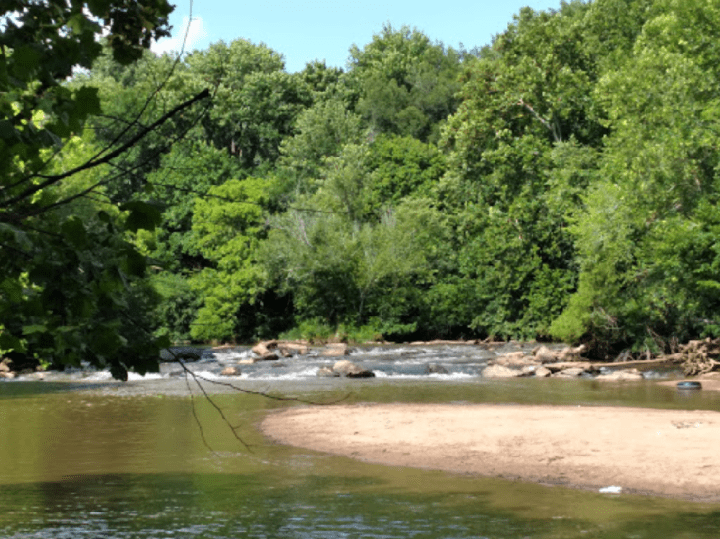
x=5, y=371
x=268, y=351
x=9, y=372
x=274, y=350
x=344, y=368
x=543, y=362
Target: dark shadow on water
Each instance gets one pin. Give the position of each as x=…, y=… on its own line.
x=23, y=389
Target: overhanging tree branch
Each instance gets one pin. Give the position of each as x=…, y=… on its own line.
x=53, y=179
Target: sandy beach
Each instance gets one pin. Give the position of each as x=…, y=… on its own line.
x=669, y=453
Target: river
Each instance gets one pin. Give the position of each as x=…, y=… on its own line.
x=85, y=456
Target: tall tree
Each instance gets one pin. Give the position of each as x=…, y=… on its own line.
x=649, y=268
x=256, y=102
x=71, y=287
x=524, y=123
x=407, y=83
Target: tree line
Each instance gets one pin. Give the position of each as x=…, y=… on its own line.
x=559, y=183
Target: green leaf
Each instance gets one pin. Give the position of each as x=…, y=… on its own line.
x=34, y=328
x=74, y=231
x=10, y=343
x=20, y=236
x=25, y=60
x=12, y=289
x=119, y=372
x=87, y=101
x=708, y=284
x=106, y=341
x=134, y=263
x=143, y=215
x=7, y=130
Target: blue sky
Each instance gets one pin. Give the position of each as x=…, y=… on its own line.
x=307, y=30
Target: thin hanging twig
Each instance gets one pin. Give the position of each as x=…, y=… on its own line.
x=196, y=378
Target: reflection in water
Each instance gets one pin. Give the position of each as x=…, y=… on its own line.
x=82, y=465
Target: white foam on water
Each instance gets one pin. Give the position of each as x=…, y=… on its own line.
x=434, y=376
x=208, y=374
x=311, y=373
x=135, y=377
x=101, y=376
x=294, y=375
x=380, y=351
x=233, y=355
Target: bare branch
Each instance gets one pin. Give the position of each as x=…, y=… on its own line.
x=214, y=405
x=196, y=378
x=194, y=413
x=85, y=192
x=554, y=130
x=53, y=179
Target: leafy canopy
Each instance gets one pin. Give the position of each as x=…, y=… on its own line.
x=72, y=287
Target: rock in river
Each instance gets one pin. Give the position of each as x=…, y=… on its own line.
x=499, y=371
x=327, y=372
x=351, y=370
x=434, y=368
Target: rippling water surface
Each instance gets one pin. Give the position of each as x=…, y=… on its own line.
x=86, y=457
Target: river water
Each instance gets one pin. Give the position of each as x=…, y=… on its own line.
x=84, y=456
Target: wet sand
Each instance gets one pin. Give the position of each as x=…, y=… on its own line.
x=671, y=453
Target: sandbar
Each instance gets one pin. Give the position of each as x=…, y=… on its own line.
x=670, y=453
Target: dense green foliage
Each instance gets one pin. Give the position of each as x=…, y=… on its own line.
x=560, y=183
x=72, y=287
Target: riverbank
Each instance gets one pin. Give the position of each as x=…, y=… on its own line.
x=671, y=453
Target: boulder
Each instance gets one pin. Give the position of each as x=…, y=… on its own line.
x=351, y=370
x=264, y=347
x=514, y=359
x=528, y=370
x=5, y=365
x=622, y=375
x=434, y=368
x=326, y=372
x=335, y=350
x=542, y=372
x=230, y=371
x=288, y=349
x=301, y=347
x=544, y=355
x=571, y=353
x=8, y=375
x=535, y=370
x=499, y=371
x=572, y=372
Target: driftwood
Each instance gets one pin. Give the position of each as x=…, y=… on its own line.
x=699, y=357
